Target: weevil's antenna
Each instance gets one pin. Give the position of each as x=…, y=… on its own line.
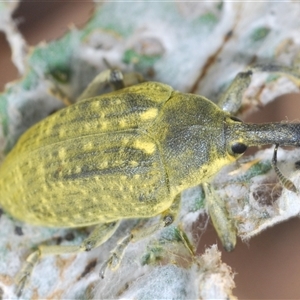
x=288, y=184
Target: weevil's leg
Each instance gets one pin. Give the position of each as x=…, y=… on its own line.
x=59, y=94
x=220, y=218
x=24, y=274
x=288, y=184
x=185, y=240
x=113, y=77
x=132, y=78
x=57, y=91
x=291, y=73
x=98, y=236
x=116, y=255
x=136, y=234
x=167, y=218
x=231, y=99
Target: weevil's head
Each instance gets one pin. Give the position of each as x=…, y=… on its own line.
x=191, y=131
x=197, y=138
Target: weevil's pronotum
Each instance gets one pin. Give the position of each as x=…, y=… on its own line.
x=129, y=154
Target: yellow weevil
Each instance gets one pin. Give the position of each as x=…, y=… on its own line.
x=129, y=154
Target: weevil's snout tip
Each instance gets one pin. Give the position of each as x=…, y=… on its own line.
x=229, y=242
x=229, y=247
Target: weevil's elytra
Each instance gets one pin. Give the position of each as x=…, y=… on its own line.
x=129, y=154
x=170, y=140
x=61, y=158
x=87, y=167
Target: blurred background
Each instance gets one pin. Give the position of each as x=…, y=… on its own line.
x=266, y=267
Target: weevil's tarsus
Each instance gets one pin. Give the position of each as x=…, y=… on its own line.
x=100, y=234
x=167, y=218
x=292, y=74
x=218, y=213
x=185, y=240
x=116, y=255
x=288, y=184
x=24, y=274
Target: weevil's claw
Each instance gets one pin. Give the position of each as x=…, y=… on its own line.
x=113, y=263
x=104, y=267
x=24, y=274
x=21, y=280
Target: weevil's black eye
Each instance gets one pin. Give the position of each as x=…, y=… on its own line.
x=238, y=148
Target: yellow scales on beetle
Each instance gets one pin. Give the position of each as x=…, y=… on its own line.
x=129, y=154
